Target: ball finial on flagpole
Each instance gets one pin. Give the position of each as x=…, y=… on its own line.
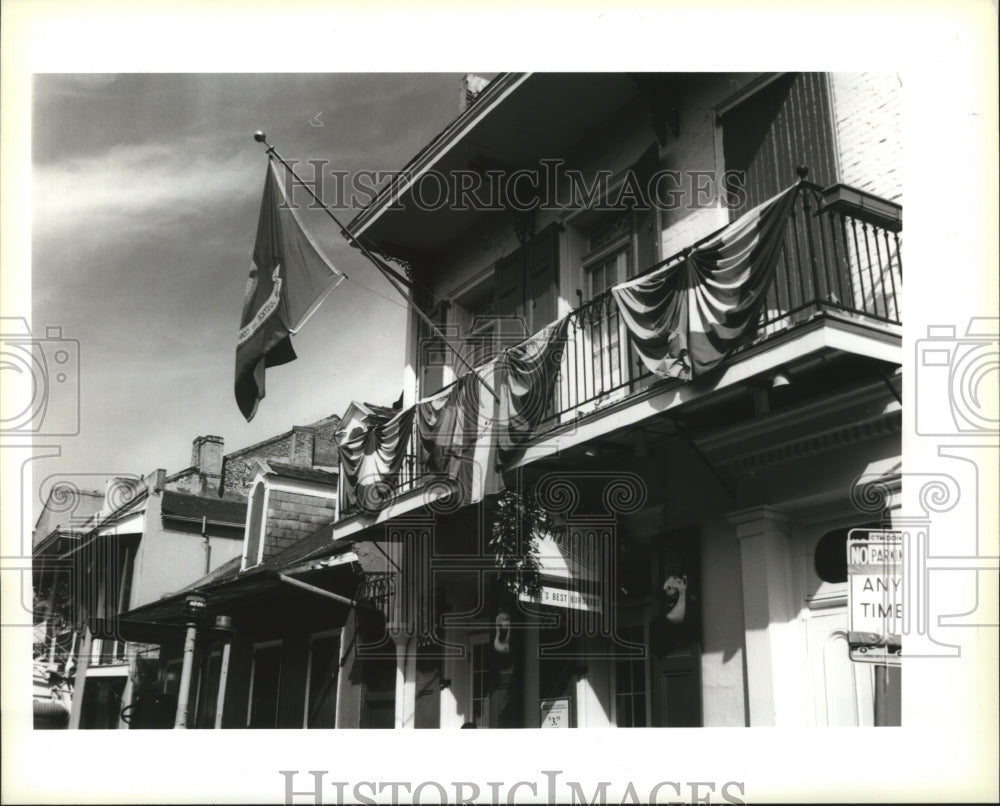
x=260, y=137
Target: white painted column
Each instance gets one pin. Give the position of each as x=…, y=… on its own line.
x=529, y=678
x=590, y=712
x=775, y=649
x=406, y=680
x=451, y=669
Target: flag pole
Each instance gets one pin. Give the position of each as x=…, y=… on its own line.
x=394, y=278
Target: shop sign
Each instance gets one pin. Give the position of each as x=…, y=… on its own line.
x=563, y=597
x=875, y=595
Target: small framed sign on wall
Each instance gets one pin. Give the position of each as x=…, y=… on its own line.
x=556, y=712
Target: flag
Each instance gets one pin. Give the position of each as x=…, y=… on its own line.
x=684, y=319
x=289, y=278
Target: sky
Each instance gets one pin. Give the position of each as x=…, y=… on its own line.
x=146, y=191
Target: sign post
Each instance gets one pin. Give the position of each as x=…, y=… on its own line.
x=875, y=595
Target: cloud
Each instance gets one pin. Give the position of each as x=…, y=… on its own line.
x=133, y=189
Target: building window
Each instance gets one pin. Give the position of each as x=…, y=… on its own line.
x=265, y=679
x=630, y=683
x=322, y=674
x=605, y=332
x=255, y=526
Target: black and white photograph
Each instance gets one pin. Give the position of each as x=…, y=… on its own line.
x=369, y=397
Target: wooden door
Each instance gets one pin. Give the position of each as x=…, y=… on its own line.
x=676, y=684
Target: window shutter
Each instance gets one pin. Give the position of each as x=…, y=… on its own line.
x=434, y=353
x=786, y=124
x=542, y=282
x=527, y=282
x=509, y=286
x=644, y=223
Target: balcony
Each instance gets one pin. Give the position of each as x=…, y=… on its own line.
x=840, y=257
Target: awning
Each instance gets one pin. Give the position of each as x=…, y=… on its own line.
x=166, y=618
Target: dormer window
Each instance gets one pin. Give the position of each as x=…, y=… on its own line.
x=286, y=504
x=254, y=538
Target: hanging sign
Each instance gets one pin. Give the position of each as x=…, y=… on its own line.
x=567, y=598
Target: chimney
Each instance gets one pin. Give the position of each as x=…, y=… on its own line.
x=472, y=85
x=206, y=455
x=156, y=481
x=303, y=440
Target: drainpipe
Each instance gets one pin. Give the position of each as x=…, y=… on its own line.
x=208, y=544
x=193, y=608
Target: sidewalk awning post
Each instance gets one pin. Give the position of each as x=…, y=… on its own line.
x=223, y=676
x=194, y=606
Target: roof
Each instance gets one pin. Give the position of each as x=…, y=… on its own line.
x=317, y=544
x=227, y=584
x=217, y=510
x=230, y=569
x=516, y=121
x=333, y=419
x=303, y=473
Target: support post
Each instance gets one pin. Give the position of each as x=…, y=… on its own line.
x=223, y=677
x=183, y=694
x=193, y=607
x=406, y=681
x=775, y=655
x=80, y=678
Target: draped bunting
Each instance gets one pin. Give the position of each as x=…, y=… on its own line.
x=455, y=429
x=370, y=464
x=684, y=319
x=462, y=430
x=527, y=375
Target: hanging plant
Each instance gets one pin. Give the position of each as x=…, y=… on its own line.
x=517, y=521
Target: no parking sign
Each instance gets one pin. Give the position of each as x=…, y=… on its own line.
x=875, y=595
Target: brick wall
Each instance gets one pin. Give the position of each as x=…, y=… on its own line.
x=868, y=112
x=301, y=452
x=307, y=445
x=236, y=465
x=292, y=516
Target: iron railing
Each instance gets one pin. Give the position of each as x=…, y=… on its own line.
x=836, y=258
x=830, y=260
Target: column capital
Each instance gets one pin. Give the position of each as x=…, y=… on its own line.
x=753, y=520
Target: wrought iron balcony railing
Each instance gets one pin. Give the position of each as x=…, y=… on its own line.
x=841, y=252
x=840, y=255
